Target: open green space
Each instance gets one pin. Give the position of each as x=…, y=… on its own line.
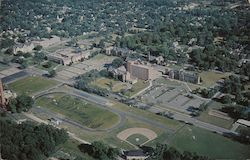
x=69, y=150
x=109, y=84
x=137, y=139
x=203, y=142
x=209, y=78
x=79, y=110
x=162, y=135
x=167, y=81
x=31, y=85
x=99, y=57
x=54, y=48
x=205, y=117
x=137, y=87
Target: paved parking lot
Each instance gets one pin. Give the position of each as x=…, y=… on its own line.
x=176, y=98
x=98, y=62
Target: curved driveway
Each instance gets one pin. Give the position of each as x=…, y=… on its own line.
x=104, y=103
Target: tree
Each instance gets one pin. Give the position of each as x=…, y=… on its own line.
x=226, y=99
x=117, y=62
x=39, y=57
x=13, y=105
x=38, y=48
x=101, y=43
x=28, y=141
x=9, y=51
x=21, y=103
x=99, y=150
x=104, y=73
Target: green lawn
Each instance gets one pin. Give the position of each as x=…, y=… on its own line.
x=137, y=87
x=137, y=139
x=31, y=85
x=86, y=113
x=209, y=78
x=111, y=138
x=69, y=150
x=54, y=48
x=205, y=117
x=206, y=143
x=109, y=84
x=167, y=81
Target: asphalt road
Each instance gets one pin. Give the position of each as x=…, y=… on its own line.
x=177, y=116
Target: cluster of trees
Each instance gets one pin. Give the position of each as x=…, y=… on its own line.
x=83, y=81
x=28, y=141
x=6, y=43
x=118, y=62
x=236, y=112
x=102, y=151
x=83, y=16
x=220, y=31
x=163, y=152
x=181, y=27
x=24, y=59
x=206, y=93
x=233, y=85
x=20, y=103
x=99, y=150
x=234, y=88
x=243, y=136
x=245, y=69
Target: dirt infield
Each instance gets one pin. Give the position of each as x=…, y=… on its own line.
x=151, y=135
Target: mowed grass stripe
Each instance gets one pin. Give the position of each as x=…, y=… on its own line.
x=81, y=111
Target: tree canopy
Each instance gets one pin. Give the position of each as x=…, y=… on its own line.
x=28, y=141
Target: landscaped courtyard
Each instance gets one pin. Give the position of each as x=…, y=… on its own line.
x=110, y=84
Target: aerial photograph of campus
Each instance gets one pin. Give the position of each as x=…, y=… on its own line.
x=124, y=79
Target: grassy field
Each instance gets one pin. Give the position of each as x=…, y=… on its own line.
x=137, y=139
x=86, y=113
x=209, y=78
x=206, y=143
x=205, y=117
x=55, y=47
x=31, y=85
x=137, y=87
x=69, y=150
x=109, y=84
x=167, y=81
x=162, y=135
